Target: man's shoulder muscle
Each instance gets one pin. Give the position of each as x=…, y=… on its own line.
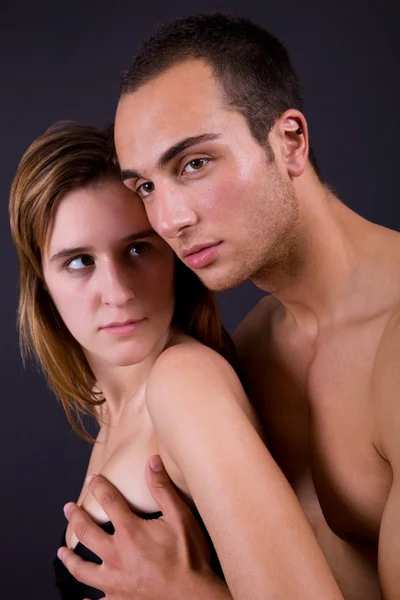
x=253, y=343
x=386, y=382
x=387, y=398
x=255, y=326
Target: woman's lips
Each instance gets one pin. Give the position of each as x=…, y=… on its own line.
x=122, y=328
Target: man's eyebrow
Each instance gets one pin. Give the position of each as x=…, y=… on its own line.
x=129, y=174
x=67, y=252
x=179, y=147
x=173, y=151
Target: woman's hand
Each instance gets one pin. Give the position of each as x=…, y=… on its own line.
x=161, y=558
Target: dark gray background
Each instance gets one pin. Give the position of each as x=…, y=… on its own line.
x=63, y=61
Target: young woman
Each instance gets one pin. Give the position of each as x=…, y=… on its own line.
x=128, y=334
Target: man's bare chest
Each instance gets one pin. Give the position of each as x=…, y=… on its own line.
x=318, y=410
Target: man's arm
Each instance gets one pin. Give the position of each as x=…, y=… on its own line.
x=387, y=395
x=144, y=560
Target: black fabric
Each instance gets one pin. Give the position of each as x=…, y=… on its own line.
x=71, y=589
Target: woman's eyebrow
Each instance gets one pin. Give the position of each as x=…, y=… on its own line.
x=66, y=252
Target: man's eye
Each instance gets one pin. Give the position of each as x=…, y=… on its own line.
x=145, y=189
x=79, y=262
x=195, y=165
x=139, y=249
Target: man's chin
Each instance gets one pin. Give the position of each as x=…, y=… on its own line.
x=219, y=281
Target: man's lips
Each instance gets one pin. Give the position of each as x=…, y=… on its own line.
x=197, y=257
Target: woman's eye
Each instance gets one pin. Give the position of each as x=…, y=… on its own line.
x=195, y=165
x=139, y=249
x=79, y=262
x=145, y=189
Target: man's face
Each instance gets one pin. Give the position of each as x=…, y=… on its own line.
x=208, y=187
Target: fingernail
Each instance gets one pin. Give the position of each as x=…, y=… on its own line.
x=60, y=553
x=89, y=479
x=155, y=464
x=67, y=508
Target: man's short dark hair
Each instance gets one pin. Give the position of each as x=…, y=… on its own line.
x=252, y=66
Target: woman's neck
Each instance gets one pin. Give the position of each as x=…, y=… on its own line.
x=119, y=384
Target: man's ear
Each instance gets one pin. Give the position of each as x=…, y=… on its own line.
x=289, y=138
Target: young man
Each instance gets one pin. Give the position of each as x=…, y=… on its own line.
x=210, y=134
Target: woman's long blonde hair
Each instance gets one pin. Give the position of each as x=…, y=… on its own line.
x=67, y=157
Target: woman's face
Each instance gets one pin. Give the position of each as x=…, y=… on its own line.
x=109, y=275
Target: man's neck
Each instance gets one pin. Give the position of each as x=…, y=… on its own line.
x=340, y=256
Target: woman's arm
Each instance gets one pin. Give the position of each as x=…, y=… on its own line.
x=264, y=542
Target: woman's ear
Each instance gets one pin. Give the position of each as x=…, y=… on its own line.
x=290, y=139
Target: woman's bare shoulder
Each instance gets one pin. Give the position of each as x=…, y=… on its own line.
x=189, y=373
x=186, y=355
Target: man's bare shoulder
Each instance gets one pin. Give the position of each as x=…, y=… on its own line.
x=386, y=385
x=255, y=328
x=389, y=347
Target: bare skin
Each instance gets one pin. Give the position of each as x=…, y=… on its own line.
x=111, y=278
x=316, y=381
x=320, y=356
x=179, y=536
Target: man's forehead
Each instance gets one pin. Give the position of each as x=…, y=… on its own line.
x=161, y=114
x=187, y=88
x=188, y=74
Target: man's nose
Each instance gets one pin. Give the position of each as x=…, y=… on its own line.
x=171, y=213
